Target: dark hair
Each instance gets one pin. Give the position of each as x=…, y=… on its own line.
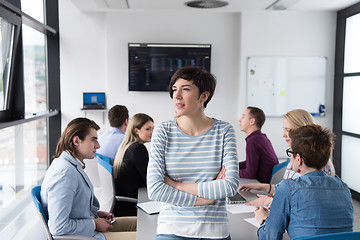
x=258, y=115
x=117, y=115
x=77, y=127
x=204, y=80
x=313, y=143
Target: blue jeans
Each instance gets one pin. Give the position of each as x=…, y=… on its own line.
x=175, y=237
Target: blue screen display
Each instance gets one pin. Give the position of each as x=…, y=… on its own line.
x=94, y=99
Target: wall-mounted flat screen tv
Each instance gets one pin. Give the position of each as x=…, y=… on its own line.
x=151, y=65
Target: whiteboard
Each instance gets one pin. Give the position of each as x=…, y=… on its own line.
x=280, y=84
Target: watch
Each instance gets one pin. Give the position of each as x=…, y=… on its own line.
x=263, y=221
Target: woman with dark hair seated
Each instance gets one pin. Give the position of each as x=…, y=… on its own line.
x=314, y=203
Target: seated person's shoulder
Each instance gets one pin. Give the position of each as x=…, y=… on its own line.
x=288, y=184
x=137, y=146
x=62, y=166
x=337, y=181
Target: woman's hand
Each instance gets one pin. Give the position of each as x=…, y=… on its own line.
x=261, y=214
x=102, y=225
x=262, y=201
x=221, y=174
x=181, y=187
x=203, y=201
x=169, y=181
x=255, y=186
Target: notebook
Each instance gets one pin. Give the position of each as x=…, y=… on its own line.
x=150, y=207
x=94, y=100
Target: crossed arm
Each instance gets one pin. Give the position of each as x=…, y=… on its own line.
x=192, y=188
x=188, y=194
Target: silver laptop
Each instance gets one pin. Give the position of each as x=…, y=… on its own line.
x=241, y=197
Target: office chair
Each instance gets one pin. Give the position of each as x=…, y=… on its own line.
x=107, y=194
x=103, y=157
x=278, y=172
x=92, y=171
x=333, y=236
x=35, y=194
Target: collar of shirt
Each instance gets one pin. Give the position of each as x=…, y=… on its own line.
x=115, y=129
x=82, y=164
x=257, y=132
x=315, y=173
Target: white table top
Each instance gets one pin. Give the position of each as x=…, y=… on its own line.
x=239, y=228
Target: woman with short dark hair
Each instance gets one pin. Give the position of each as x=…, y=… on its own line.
x=187, y=154
x=313, y=203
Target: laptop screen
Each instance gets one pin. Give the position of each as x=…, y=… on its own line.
x=94, y=100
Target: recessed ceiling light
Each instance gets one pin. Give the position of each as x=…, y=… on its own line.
x=206, y=4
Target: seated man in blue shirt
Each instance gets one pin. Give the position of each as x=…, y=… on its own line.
x=110, y=141
x=260, y=154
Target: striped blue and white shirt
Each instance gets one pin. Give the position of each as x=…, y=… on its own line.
x=186, y=158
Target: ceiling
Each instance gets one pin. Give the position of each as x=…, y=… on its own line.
x=233, y=6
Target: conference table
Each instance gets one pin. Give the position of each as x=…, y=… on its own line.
x=239, y=228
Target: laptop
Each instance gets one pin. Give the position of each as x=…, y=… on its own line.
x=241, y=197
x=94, y=100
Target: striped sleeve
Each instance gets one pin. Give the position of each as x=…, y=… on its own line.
x=227, y=187
x=157, y=189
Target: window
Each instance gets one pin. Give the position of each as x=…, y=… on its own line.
x=29, y=87
x=34, y=71
x=350, y=162
x=352, y=47
x=346, y=97
x=34, y=8
x=6, y=48
x=351, y=100
x=23, y=159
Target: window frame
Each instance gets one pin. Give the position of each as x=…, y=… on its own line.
x=339, y=87
x=11, y=112
x=11, y=11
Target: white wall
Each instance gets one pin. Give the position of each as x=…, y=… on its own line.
x=82, y=59
x=94, y=57
x=287, y=34
x=220, y=30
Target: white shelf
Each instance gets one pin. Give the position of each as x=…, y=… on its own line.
x=103, y=111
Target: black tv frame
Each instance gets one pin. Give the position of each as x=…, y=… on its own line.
x=155, y=63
